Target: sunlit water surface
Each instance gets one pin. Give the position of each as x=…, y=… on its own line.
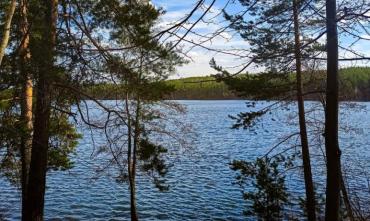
x=200, y=181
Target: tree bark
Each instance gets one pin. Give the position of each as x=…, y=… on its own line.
x=130, y=164
x=310, y=193
x=134, y=216
x=45, y=66
x=6, y=33
x=133, y=209
x=333, y=182
x=26, y=105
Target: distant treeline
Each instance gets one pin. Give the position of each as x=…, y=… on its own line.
x=193, y=88
x=354, y=85
x=200, y=88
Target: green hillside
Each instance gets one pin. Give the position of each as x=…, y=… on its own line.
x=199, y=88
x=354, y=81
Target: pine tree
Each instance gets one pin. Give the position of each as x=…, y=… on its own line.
x=141, y=73
x=274, y=30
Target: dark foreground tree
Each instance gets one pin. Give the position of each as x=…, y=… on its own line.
x=310, y=193
x=42, y=44
x=333, y=182
x=26, y=99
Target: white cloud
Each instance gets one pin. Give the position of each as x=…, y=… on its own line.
x=200, y=57
x=227, y=41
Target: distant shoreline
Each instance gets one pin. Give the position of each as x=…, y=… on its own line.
x=354, y=86
x=236, y=99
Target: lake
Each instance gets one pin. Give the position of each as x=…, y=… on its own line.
x=200, y=181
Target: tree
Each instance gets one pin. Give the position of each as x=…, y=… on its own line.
x=17, y=112
x=144, y=87
x=331, y=116
x=277, y=50
x=74, y=56
x=310, y=193
x=43, y=55
x=268, y=192
x=276, y=44
x=6, y=31
x=27, y=100
x=137, y=67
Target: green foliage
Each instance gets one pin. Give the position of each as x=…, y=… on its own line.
x=138, y=76
x=185, y=88
x=268, y=28
x=247, y=119
x=63, y=142
x=199, y=88
x=154, y=91
x=131, y=23
x=63, y=139
x=151, y=157
x=358, y=76
x=354, y=85
x=263, y=187
x=10, y=132
x=260, y=86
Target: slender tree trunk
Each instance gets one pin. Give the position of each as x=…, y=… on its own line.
x=130, y=161
x=310, y=193
x=133, y=210
x=26, y=105
x=26, y=143
x=333, y=182
x=6, y=32
x=134, y=216
x=37, y=175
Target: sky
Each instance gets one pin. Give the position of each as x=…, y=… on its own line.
x=229, y=40
x=198, y=57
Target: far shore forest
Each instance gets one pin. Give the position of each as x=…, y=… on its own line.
x=354, y=85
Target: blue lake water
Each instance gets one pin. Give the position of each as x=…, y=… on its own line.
x=200, y=181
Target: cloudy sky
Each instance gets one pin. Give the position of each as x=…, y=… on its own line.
x=199, y=57
x=228, y=41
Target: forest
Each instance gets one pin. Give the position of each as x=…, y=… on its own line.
x=94, y=124
x=354, y=85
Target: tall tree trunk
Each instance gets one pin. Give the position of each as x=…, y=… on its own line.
x=133, y=210
x=130, y=161
x=6, y=32
x=310, y=193
x=26, y=105
x=45, y=64
x=130, y=156
x=134, y=216
x=333, y=182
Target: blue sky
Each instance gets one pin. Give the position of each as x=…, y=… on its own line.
x=199, y=58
